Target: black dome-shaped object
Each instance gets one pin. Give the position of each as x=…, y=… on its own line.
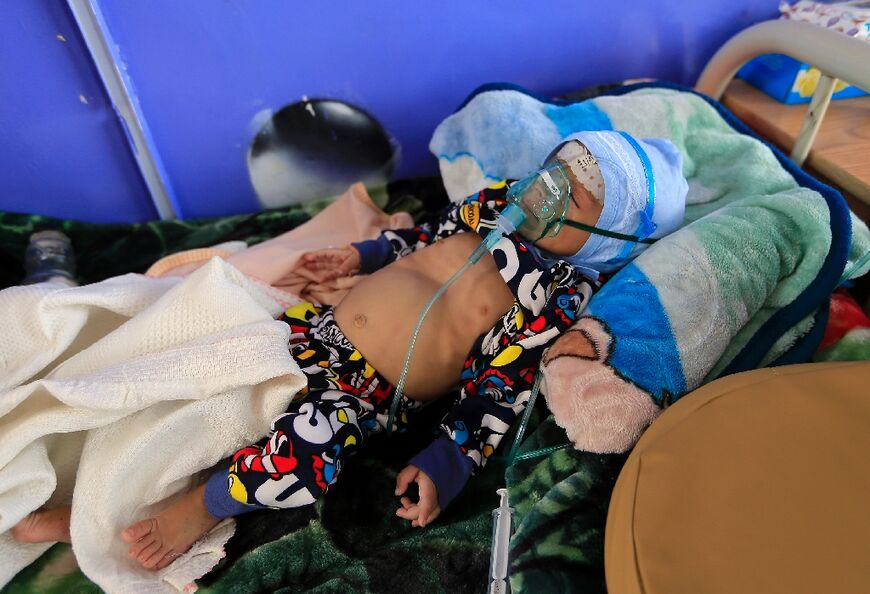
x=316, y=148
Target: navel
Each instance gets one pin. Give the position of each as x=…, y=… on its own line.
x=359, y=320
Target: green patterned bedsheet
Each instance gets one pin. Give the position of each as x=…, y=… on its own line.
x=351, y=541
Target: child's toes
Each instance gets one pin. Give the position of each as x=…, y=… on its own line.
x=134, y=532
x=140, y=545
x=147, y=552
x=155, y=557
x=167, y=559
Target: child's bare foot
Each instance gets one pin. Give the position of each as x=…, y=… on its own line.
x=158, y=541
x=46, y=525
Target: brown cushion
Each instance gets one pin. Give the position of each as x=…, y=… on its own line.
x=758, y=482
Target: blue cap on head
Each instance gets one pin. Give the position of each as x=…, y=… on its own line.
x=644, y=195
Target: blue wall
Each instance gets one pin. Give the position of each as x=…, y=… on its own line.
x=62, y=150
x=204, y=69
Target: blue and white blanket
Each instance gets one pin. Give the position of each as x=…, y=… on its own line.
x=744, y=284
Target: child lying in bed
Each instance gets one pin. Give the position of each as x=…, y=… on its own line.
x=485, y=335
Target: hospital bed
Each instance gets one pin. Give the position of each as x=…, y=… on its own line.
x=341, y=544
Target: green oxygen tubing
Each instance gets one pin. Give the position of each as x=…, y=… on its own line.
x=508, y=221
x=537, y=201
x=537, y=207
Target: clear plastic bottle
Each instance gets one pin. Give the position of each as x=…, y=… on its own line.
x=49, y=258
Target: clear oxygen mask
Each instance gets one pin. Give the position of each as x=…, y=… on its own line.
x=538, y=204
x=543, y=198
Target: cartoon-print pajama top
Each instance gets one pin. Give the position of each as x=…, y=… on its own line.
x=499, y=372
x=495, y=384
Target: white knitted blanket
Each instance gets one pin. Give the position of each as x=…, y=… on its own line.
x=113, y=396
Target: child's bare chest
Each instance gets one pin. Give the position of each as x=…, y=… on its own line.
x=379, y=314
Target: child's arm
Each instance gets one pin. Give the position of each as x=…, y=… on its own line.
x=393, y=244
x=476, y=213
x=366, y=256
x=373, y=254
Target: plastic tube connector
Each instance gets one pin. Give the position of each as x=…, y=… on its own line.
x=510, y=219
x=485, y=246
x=507, y=222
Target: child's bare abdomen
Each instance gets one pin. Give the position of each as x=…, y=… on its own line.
x=379, y=314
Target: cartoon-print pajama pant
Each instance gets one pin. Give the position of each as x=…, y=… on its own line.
x=346, y=401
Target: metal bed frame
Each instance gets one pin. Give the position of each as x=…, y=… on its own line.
x=836, y=55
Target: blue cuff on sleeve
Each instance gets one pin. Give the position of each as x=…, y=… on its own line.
x=217, y=497
x=447, y=466
x=373, y=253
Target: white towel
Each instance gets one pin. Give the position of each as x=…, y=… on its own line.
x=115, y=395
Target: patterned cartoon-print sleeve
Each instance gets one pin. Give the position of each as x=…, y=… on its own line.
x=398, y=243
x=476, y=213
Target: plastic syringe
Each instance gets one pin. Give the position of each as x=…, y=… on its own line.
x=501, y=536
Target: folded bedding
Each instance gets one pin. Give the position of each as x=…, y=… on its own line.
x=351, y=542
x=744, y=284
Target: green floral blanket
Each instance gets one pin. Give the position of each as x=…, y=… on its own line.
x=351, y=541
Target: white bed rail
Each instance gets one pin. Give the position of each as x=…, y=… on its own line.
x=836, y=55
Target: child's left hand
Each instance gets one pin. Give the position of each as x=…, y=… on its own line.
x=427, y=508
x=330, y=263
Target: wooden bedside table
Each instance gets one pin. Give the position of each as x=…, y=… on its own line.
x=841, y=151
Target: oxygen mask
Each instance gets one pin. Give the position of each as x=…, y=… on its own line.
x=538, y=204
x=543, y=198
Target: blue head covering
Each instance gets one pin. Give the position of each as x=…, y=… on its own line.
x=644, y=195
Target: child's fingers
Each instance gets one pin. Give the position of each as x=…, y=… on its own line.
x=404, y=478
x=322, y=257
x=406, y=502
x=320, y=263
x=412, y=514
x=303, y=271
x=409, y=513
x=423, y=514
x=314, y=275
x=352, y=258
x=348, y=268
x=428, y=511
x=314, y=258
x=331, y=263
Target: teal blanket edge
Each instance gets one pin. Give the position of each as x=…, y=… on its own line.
x=814, y=300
